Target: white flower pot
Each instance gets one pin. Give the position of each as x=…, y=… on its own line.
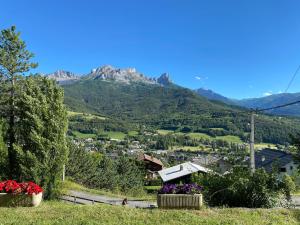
x=20, y=200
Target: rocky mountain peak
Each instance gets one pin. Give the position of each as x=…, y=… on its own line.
x=63, y=76
x=127, y=75
x=110, y=73
x=164, y=79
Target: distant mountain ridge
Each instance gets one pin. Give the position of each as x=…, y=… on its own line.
x=132, y=76
x=259, y=103
x=211, y=95
x=110, y=73
x=275, y=100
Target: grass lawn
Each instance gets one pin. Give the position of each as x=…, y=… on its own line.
x=77, y=134
x=199, y=136
x=133, y=133
x=115, y=135
x=230, y=138
x=60, y=213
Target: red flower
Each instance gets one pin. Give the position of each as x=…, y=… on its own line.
x=13, y=187
x=2, y=185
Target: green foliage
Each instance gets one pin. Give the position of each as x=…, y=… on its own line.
x=40, y=132
x=106, y=175
x=81, y=165
x=14, y=62
x=130, y=177
x=123, y=175
x=3, y=153
x=296, y=143
x=240, y=189
x=288, y=186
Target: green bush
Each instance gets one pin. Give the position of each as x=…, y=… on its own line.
x=123, y=175
x=288, y=186
x=241, y=189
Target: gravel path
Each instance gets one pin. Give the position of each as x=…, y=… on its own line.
x=296, y=200
x=87, y=198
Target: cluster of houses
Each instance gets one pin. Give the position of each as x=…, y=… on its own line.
x=269, y=159
x=189, y=163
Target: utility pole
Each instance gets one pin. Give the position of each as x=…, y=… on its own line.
x=64, y=172
x=252, y=153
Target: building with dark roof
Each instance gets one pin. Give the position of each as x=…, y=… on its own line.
x=152, y=165
x=270, y=158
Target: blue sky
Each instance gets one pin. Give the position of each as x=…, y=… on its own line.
x=238, y=48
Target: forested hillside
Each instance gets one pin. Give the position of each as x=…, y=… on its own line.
x=172, y=108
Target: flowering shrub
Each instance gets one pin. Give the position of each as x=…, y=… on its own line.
x=181, y=189
x=13, y=187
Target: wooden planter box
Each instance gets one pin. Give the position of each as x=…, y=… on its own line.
x=20, y=200
x=179, y=201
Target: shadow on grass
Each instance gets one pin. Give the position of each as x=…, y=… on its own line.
x=296, y=214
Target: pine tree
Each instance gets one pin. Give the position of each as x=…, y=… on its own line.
x=3, y=153
x=41, y=132
x=14, y=62
x=82, y=165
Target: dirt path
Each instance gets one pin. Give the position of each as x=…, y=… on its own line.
x=87, y=198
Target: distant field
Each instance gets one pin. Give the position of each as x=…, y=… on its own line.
x=199, y=136
x=264, y=145
x=77, y=134
x=165, y=132
x=216, y=128
x=190, y=148
x=85, y=115
x=114, y=135
x=110, y=134
x=133, y=133
x=228, y=138
x=50, y=213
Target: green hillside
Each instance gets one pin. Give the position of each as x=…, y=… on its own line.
x=172, y=108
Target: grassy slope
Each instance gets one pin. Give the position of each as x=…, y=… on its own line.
x=82, y=135
x=69, y=185
x=228, y=138
x=64, y=213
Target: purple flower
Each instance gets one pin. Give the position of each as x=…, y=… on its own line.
x=181, y=189
x=168, y=189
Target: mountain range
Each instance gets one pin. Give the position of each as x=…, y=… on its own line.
x=109, y=73
x=129, y=96
x=259, y=103
x=131, y=75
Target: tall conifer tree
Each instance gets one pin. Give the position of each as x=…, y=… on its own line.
x=15, y=60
